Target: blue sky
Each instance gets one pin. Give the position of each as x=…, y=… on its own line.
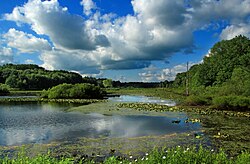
x=127, y=40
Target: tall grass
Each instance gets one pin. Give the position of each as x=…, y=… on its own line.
x=176, y=155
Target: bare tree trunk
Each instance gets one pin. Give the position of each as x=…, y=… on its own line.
x=187, y=82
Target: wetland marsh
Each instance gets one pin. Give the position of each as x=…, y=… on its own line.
x=128, y=124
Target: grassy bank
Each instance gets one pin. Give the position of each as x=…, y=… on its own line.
x=175, y=155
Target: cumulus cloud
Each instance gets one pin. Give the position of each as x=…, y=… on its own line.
x=153, y=73
x=49, y=18
x=161, y=12
x=234, y=30
x=6, y=55
x=156, y=31
x=25, y=43
x=88, y=6
x=205, y=11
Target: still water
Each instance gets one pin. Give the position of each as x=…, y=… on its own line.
x=43, y=123
x=142, y=99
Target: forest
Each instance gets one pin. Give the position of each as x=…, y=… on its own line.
x=33, y=77
x=223, y=78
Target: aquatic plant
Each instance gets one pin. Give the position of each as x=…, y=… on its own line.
x=46, y=100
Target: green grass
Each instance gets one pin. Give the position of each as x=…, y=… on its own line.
x=177, y=155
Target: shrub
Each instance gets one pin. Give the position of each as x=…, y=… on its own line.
x=77, y=91
x=4, y=89
x=232, y=102
x=196, y=100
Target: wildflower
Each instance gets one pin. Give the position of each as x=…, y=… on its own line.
x=130, y=156
x=130, y=162
x=121, y=162
x=135, y=160
x=146, y=159
x=164, y=157
x=166, y=151
x=178, y=146
x=187, y=148
x=212, y=150
x=142, y=158
x=146, y=154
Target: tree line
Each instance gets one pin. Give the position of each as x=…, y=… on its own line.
x=33, y=77
x=223, y=78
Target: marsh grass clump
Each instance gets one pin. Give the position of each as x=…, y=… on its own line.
x=232, y=102
x=196, y=101
x=77, y=91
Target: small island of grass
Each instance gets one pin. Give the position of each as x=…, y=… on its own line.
x=76, y=91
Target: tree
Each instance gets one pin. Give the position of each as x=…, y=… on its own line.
x=107, y=83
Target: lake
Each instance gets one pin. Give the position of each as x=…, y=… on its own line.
x=44, y=123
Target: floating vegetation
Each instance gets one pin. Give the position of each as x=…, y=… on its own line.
x=219, y=135
x=198, y=135
x=192, y=120
x=144, y=106
x=165, y=108
x=39, y=100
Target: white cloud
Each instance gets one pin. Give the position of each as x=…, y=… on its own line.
x=25, y=43
x=6, y=55
x=235, y=30
x=88, y=6
x=167, y=13
x=205, y=11
x=163, y=74
x=155, y=31
x=49, y=18
x=29, y=61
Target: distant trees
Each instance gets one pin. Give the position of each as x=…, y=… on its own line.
x=33, y=77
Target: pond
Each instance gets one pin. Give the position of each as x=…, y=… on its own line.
x=44, y=123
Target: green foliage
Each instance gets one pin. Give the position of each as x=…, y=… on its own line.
x=77, y=91
x=4, y=89
x=239, y=84
x=33, y=77
x=172, y=155
x=232, y=102
x=218, y=67
x=225, y=72
x=107, y=83
x=197, y=100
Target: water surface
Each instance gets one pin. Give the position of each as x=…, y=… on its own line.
x=142, y=99
x=43, y=123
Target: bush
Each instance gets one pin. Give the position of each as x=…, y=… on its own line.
x=232, y=102
x=77, y=91
x=197, y=100
x=4, y=89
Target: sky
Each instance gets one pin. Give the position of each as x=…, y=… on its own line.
x=126, y=40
